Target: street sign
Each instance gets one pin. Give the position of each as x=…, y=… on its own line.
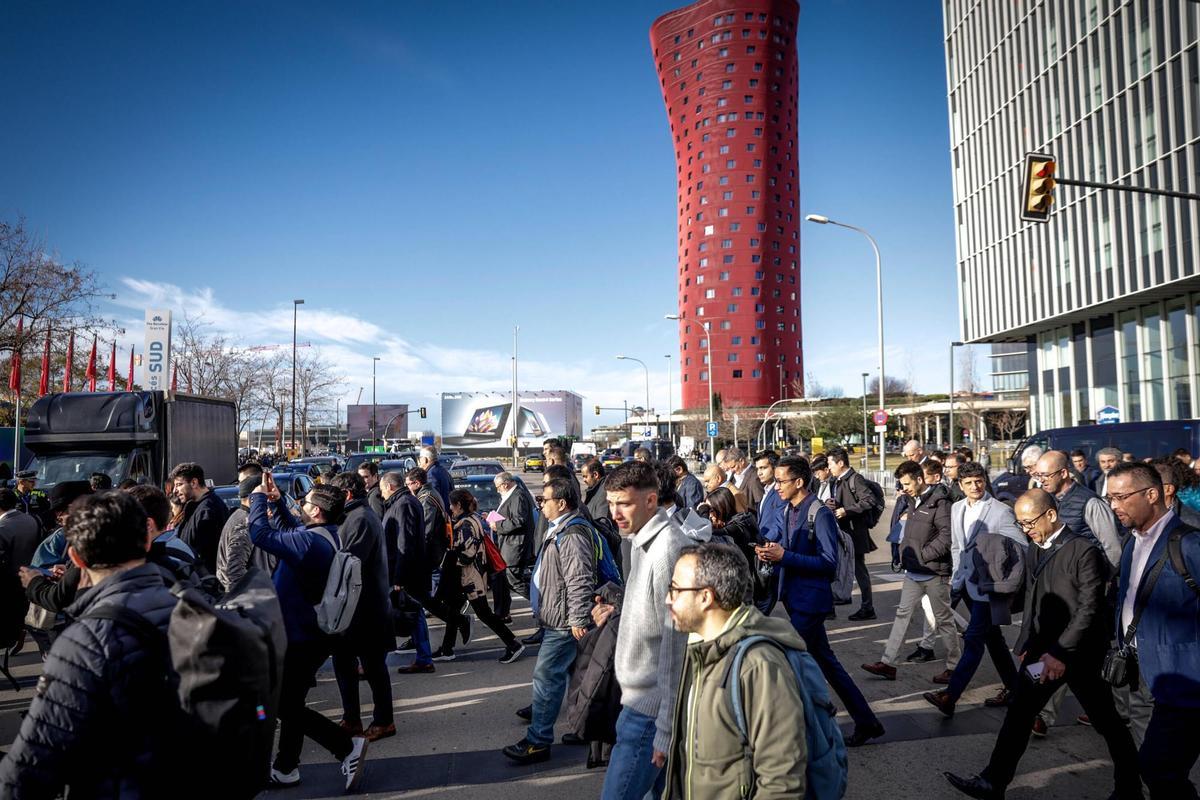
x=712, y=430
x=879, y=418
x=881, y=428
x=647, y=434
x=1108, y=415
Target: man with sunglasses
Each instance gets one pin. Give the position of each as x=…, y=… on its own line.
x=1165, y=639
x=1063, y=639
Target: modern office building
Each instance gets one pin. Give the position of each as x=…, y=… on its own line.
x=1009, y=363
x=1106, y=295
x=728, y=75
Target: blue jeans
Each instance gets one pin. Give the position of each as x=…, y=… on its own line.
x=554, y=662
x=981, y=634
x=811, y=628
x=631, y=774
x=420, y=639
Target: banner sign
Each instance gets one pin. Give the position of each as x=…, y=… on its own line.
x=156, y=366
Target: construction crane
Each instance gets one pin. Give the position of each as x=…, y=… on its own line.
x=261, y=347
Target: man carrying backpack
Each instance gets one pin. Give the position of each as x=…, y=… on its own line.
x=306, y=554
x=563, y=585
x=94, y=725
x=808, y=555
x=713, y=760
x=857, y=503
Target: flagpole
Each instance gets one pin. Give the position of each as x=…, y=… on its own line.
x=17, y=435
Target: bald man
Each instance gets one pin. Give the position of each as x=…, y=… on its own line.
x=714, y=478
x=914, y=451
x=1079, y=507
x=1064, y=637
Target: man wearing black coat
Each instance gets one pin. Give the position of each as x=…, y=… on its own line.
x=404, y=532
x=369, y=637
x=204, y=514
x=851, y=502
x=1064, y=636
x=514, y=537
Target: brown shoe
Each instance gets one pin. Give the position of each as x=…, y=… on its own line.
x=352, y=728
x=416, y=669
x=377, y=732
x=1000, y=700
x=881, y=669
x=943, y=677
x=1039, y=727
x=941, y=701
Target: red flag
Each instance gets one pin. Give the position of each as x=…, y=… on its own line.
x=112, y=369
x=44, y=385
x=91, y=368
x=175, y=379
x=14, y=370
x=70, y=360
x=129, y=380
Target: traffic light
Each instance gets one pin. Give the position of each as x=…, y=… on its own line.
x=1038, y=196
x=597, y=411
x=422, y=412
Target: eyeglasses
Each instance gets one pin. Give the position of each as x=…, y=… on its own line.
x=673, y=590
x=1027, y=524
x=1121, y=498
x=1041, y=476
x=786, y=480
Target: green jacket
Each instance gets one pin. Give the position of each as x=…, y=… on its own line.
x=706, y=759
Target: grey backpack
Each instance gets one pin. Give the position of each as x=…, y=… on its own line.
x=843, y=581
x=342, y=588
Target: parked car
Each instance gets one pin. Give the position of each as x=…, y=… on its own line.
x=290, y=486
x=402, y=463
x=484, y=489
x=534, y=463
x=469, y=467
x=611, y=458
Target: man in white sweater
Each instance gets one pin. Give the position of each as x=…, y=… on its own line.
x=650, y=651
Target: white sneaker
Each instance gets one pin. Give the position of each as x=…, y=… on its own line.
x=352, y=765
x=284, y=778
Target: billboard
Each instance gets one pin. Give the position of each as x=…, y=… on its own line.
x=485, y=420
x=156, y=366
x=391, y=422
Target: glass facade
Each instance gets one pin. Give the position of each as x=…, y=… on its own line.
x=1103, y=295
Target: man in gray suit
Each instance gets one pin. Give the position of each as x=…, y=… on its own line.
x=979, y=515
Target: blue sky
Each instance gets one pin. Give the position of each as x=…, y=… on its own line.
x=427, y=176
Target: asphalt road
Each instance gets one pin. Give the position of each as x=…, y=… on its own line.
x=453, y=723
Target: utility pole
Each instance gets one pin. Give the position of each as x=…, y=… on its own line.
x=516, y=401
x=295, y=315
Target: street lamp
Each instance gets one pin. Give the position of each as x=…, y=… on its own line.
x=952, y=346
x=712, y=442
x=823, y=220
x=670, y=401
x=374, y=361
x=866, y=447
x=646, y=411
x=295, y=315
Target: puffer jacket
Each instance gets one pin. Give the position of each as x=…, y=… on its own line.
x=236, y=553
x=566, y=574
x=95, y=722
x=706, y=759
x=594, y=696
x=925, y=548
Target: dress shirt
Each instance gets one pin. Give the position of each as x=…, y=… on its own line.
x=1046, y=545
x=1143, y=543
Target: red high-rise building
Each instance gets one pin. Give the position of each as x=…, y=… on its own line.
x=728, y=74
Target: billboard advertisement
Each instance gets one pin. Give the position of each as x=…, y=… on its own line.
x=391, y=422
x=485, y=420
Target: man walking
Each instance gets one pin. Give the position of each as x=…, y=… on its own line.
x=1079, y=508
x=744, y=478
x=204, y=514
x=404, y=536
x=852, y=502
x=648, y=646
x=925, y=556
x=437, y=477
x=1063, y=639
x=564, y=583
x=369, y=637
x=1090, y=474
x=808, y=554
x=705, y=600
x=1106, y=458
x=514, y=537
x=1157, y=613
x=369, y=472
x=985, y=541
x=305, y=552
x=688, y=489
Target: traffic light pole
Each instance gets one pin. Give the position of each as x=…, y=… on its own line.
x=1126, y=188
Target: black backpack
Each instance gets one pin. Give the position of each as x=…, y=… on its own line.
x=223, y=663
x=871, y=515
x=1175, y=553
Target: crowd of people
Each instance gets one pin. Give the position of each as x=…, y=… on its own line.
x=653, y=591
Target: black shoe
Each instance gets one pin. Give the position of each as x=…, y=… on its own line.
x=407, y=647
x=572, y=739
x=526, y=752
x=506, y=619
x=920, y=656
x=862, y=614
x=442, y=654
x=830, y=616
x=863, y=734
x=975, y=786
x=525, y=713
x=466, y=628
x=511, y=654
x=535, y=637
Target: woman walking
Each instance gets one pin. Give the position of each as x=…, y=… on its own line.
x=464, y=576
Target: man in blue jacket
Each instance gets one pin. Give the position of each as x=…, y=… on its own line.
x=770, y=522
x=1166, y=637
x=809, y=557
x=305, y=554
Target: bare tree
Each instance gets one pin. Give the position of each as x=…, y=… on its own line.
x=966, y=402
x=811, y=387
x=1009, y=421
x=892, y=386
x=317, y=385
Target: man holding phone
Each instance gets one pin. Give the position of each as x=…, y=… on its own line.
x=1064, y=637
